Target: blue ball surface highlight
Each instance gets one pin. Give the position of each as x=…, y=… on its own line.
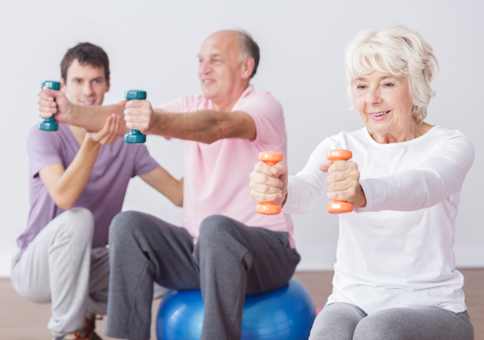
x=285, y=313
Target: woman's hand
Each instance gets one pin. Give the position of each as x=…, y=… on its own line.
x=344, y=183
x=269, y=184
x=109, y=133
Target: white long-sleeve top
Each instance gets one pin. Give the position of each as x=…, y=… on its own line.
x=397, y=251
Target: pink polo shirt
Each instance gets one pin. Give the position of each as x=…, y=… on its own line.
x=217, y=175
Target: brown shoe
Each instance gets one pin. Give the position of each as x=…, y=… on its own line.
x=70, y=336
x=87, y=330
x=95, y=336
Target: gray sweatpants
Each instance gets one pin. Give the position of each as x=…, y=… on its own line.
x=229, y=261
x=59, y=266
x=344, y=321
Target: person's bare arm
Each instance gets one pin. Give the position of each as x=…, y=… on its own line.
x=91, y=118
x=65, y=186
x=166, y=184
x=206, y=126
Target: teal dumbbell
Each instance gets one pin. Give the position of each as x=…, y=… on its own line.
x=134, y=136
x=49, y=124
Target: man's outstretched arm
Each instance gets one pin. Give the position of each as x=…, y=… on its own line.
x=91, y=118
x=206, y=126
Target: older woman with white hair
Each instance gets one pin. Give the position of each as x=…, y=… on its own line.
x=395, y=275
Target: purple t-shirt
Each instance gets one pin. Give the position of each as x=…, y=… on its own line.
x=104, y=192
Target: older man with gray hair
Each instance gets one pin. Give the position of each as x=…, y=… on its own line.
x=224, y=248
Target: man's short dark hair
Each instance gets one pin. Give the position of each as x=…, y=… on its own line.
x=86, y=54
x=248, y=48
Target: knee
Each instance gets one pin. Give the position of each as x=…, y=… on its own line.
x=377, y=326
x=318, y=328
x=128, y=226
x=77, y=224
x=123, y=226
x=214, y=229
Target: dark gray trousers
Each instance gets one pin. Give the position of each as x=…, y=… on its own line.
x=229, y=261
x=344, y=321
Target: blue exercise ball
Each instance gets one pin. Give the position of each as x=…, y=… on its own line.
x=285, y=313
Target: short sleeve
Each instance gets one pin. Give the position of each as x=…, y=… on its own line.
x=143, y=163
x=173, y=106
x=267, y=113
x=183, y=104
x=44, y=148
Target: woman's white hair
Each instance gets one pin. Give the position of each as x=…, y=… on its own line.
x=399, y=51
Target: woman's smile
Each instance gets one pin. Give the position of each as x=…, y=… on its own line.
x=380, y=115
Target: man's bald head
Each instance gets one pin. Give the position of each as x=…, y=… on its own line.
x=247, y=47
x=228, y=60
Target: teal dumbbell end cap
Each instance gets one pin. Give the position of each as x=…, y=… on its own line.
x=50, y=84
x=49, y=124
x=134, y=136
x=135, y=94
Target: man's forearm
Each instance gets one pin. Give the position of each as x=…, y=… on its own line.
x=92, y=118
x=205, y=126
x=66, y=189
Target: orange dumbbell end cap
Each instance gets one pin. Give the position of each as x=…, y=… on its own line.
x=270, y=157
x=339, y=155
x=268, y=208
x=339, y=207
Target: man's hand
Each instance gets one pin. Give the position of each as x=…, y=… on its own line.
x=139, y=115
x=269, y=184
x=47, y=106
x=344, y=183
x=109, y=133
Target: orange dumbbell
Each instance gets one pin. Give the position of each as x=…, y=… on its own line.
x=271, y=159
x=339, y=207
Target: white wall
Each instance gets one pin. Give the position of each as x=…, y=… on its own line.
x=153, y=45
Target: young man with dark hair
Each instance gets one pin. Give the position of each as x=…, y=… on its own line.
x=78, y=181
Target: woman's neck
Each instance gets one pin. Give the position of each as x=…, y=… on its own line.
x=404, y=135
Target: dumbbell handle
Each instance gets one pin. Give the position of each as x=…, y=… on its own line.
x=135, y=136
x=339, y=207
x=48, y=124
x=271, y=159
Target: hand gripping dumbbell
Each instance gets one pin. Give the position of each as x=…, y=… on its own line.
x=134, y=136
x=271, y=159
x=49, y=124
x=339, y=207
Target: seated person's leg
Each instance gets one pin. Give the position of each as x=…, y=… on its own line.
x=236, y=260
x=429, y=323
x=55, y=267
x=99, y=281
x=98, y=291
x=336, y=321
x=144, y=249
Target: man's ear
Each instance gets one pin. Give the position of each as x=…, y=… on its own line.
x=247, y=67
x=63, y=85
x=108, y=82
